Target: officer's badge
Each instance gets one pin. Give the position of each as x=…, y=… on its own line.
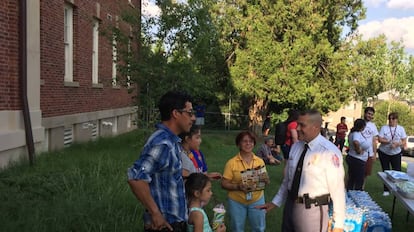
x=314, y=159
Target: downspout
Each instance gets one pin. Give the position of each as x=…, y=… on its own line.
x=23, y=79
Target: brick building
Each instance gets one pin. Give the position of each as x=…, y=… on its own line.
x=74, y=92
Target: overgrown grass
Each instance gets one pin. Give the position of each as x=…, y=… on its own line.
x=83, y=188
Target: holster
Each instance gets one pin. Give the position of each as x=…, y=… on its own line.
x=319, y=200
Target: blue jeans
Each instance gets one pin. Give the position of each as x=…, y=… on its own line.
x=239, y=212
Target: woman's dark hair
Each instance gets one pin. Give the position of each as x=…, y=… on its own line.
x=240, y=136
x=293, y=115
x=193, y=130
x=195, y=182
x=393, y=115
x=359, y=125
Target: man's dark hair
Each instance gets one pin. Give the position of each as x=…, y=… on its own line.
x=369, y=108
x=172, y=100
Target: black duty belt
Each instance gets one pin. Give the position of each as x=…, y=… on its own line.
x=317, y=201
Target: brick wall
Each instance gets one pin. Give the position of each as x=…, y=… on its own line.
x=9, y=54
x=58, y=99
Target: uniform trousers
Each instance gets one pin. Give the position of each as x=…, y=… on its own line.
x=296, y=218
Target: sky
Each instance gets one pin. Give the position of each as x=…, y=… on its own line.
x=393, y=18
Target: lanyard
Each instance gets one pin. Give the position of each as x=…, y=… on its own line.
x=392, y=134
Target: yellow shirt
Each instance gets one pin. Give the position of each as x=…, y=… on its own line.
x=232, y=172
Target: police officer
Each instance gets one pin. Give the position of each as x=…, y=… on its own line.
x=308, y=188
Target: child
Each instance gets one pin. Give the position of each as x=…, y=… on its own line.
x=190, y=142
x=198, y=192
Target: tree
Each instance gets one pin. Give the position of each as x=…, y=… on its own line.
x=178, y=50
x=266, y=55
x=288, y=52
x=409, y=89
x=369, y=66
x=381, y=67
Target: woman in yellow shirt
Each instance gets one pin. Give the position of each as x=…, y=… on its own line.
x=244, y=178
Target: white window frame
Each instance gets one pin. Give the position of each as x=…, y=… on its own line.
x=129, y=63
x=95, y=52
x=68, y=41
x=114, y=60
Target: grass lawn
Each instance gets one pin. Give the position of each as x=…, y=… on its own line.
x=83, y=188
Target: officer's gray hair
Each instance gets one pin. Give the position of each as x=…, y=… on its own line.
x=315, y=116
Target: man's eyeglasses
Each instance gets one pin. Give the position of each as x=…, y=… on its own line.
x=393, y=118
x=189, y=112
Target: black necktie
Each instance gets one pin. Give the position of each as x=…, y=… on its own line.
x=298, y=173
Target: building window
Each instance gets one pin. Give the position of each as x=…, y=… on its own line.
x=68, y=136
x=68, y=34
x=95, y=131
x=95, y=52
x=114, y=60
x=129, y=63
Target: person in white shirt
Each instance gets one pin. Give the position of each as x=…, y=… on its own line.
x=371, y=134
x=357, y=156
x=321, y=181
x=392, y=138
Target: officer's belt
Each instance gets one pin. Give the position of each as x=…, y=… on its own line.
x=320, y=200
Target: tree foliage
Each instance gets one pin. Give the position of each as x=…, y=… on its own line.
x=379, y=67
x=267, y=55
x=288, y=53
x=177, y=51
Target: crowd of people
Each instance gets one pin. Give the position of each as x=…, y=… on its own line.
x=171, y=179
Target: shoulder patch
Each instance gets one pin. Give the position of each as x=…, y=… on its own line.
x=335, y=160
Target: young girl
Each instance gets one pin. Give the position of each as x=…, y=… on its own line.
x=190, y=142
x=198, y=192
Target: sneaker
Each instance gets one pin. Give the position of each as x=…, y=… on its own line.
x=386, y=193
